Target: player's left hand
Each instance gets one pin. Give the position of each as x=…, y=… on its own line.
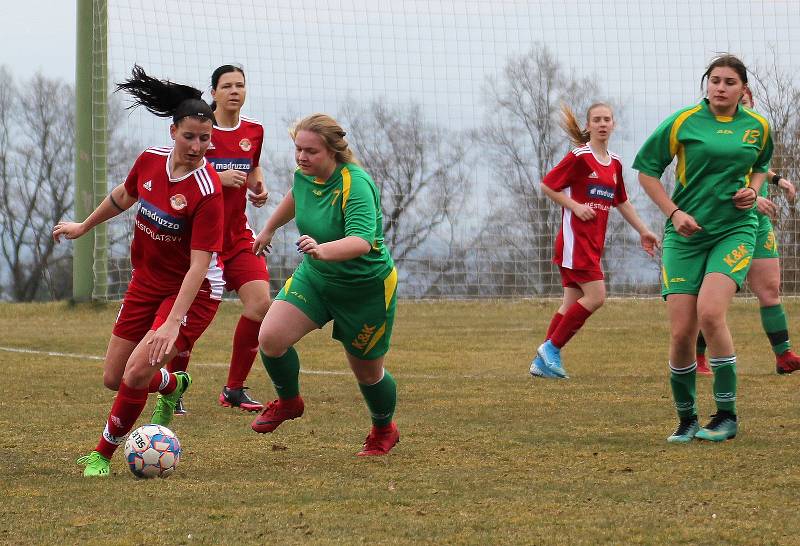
x=767, y=207
x=307, y=245
x=744, y=198
x=650, y=242
x=257, y=194
x=162, y=341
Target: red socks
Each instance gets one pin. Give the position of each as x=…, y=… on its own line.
x=127, y=407
x=163, y=382
x=180, y=362
x=554, y=322
x=245, y=347
x=573, y=319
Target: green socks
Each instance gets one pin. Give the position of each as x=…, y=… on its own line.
x=724, y=369
x=381, y=399
x=683, y=382
x=773, y=319
x=284, y=371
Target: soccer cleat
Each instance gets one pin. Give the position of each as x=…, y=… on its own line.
x=551, y=358
x=380, y=441
x=165, y=405
x=787, y=362
x=702, y=366
x=686, y=430
x=276, y=413
x=723, y=426
x=238, y=398
x=180, y=408
x=538, y=369
x=95, y=465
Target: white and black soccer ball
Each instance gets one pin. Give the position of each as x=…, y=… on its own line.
x=152, y=451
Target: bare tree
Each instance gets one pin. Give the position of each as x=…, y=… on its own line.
x=523, y=140
x=420, y=170
x=778, y=97
x=36, y=152
x=37, y=149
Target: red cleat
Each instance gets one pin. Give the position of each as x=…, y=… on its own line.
x=276, y=413
x=702, y=365
x=787, y=362
x=380, y=441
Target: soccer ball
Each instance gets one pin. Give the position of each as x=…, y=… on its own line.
x=152, y=451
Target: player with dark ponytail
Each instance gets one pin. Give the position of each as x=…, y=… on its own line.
x=235, y=152
x=176, y=284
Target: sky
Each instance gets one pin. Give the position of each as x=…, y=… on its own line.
x=39, y=36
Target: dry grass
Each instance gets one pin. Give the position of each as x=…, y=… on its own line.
x=488, y=455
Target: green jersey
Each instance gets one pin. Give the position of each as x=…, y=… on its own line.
x=347, y=204
x=716, y=156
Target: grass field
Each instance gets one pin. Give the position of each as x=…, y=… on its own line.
x=488, y=455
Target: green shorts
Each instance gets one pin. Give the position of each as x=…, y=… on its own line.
x=685, y=263
x=363, y=315
x=766, y=244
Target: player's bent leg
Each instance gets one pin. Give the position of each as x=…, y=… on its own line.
x=117, y=354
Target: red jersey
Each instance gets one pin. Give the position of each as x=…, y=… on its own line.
x=236, y=148
x=582, y=177
x=175, y=216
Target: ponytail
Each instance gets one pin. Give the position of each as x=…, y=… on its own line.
x=569, y=124
x=165, y=98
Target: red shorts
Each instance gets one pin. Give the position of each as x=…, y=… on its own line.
x=243, y=267
x=573, y=278
x=141, y=313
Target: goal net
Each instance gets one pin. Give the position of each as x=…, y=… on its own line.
x=452, y=106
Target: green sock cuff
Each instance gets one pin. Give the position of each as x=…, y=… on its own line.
x=684, y=387
x=284, y=371
x=725, y=382
x=773, y=319
x=381, y=399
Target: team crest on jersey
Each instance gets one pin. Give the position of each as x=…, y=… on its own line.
x=245, y=145
x=148, y=185
x=178, y=201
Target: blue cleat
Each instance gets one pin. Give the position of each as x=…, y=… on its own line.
x=551, y=358
x=723, y=426
x=538, y=369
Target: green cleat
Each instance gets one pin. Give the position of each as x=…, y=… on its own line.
x=165, y=406
x=96, y=465
x=723, y=426
x=685, y=432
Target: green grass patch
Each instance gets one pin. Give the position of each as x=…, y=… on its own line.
x=487, y=454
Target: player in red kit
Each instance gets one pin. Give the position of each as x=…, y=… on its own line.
x=235, y=151
x=586, y=184
x=176, y=284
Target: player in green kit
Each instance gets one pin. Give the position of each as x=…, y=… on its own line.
x=723, y=152
x=346, y=275
x=764, y=278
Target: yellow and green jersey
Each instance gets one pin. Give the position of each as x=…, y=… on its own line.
x=347, y=204
x=715, y=157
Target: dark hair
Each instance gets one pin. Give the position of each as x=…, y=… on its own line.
x=219, y=72
x=165, y=98
x=726, y=60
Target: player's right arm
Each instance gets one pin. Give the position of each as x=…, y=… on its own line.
x=117, y=202
x=281, y=216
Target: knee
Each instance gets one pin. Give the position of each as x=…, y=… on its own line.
x=710, y=321
x=111, y=382
x=270, y=345
x=256, y=310
x=595, y=303
x=369, y=376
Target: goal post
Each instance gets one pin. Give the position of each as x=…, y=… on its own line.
x=91, y=98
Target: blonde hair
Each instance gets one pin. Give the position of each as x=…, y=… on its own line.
x=329, y=131
x=569, y=123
